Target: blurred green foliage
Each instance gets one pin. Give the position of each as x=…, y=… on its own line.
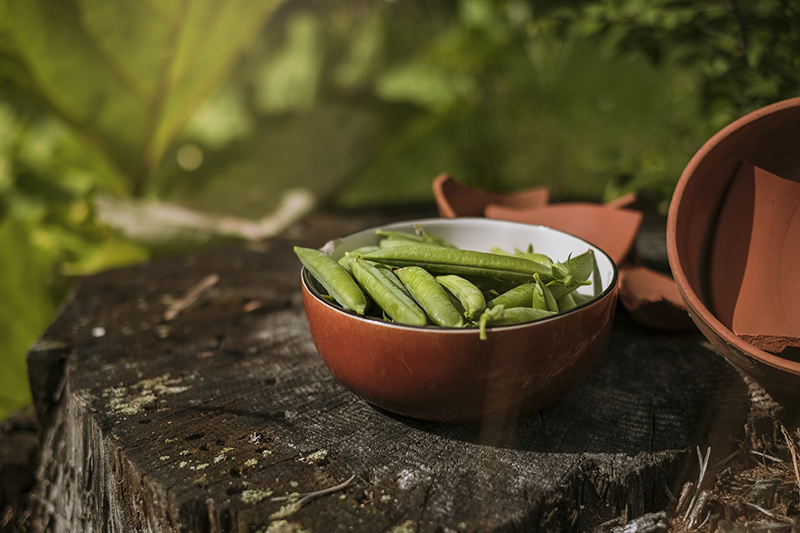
x=221, y=106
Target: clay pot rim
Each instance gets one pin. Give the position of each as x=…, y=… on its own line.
x=692, y=300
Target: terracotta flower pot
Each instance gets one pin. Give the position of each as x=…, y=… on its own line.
x=733, y=241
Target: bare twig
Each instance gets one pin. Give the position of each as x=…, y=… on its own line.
x=698, y=488
x=726, y=460
x=696, y=511
x=765, y=456
x=191, y=296
x=684, y=499
x=308, y=495
x=793, y=450
x=768, y=513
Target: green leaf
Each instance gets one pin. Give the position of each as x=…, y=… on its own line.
x=288, y=81
x=129, y=75
x=26, y=311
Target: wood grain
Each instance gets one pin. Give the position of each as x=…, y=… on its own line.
x=199, y=422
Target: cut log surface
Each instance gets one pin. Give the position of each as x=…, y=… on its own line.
x=225, y=418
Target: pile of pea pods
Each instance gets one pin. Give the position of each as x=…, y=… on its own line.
x=420, y=279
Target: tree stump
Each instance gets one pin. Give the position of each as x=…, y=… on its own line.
x=224, y=418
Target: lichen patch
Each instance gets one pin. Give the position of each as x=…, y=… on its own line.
x=132, y=400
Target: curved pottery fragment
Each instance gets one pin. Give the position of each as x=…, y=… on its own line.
x=652, y=299
x=454, y=199
x=755, y=288
x=611, y=229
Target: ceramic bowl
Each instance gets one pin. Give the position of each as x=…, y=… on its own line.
x=733, y=241
x=450, y=374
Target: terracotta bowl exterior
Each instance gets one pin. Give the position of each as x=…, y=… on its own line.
x=767, y=139
x=449, y=374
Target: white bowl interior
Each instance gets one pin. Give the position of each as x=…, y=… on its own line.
x=481, y=234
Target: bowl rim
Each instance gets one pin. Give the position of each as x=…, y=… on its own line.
x=693, y=301
x=310, y=287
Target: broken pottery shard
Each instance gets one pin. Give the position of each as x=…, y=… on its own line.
x=610, y=229
x=652, y=299
x=454, y=199
x=754, y=259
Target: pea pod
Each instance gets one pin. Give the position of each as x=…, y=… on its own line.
x=566, y=302
x=392, y=277
x=439, y=260
x=387, y=295
x=402, y=236
x=345, y=259
x=543, y=297
x=572, y=274
x=526, y=254
x=390, y=239
x=334, y=277
x=579, y=267
x=471, y=298
x=431, y=296
x=430, y=238
x=519, y=296
x=500, y=316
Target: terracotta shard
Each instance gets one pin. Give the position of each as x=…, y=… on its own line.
x=652, y=299
x=610, y=229
x=454, y=199
x=755, y=258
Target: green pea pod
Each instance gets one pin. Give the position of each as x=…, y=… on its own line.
x=579, y=268
x=543, y=297
x=390, y=239
x=439, y=260
x=519, y=296
x=538, y=258
x=471, y=298
x=334, y=277
x=500, y=316
x=345, y=259
x=392, y=277
x=432, y=239
x=597, y=284
x=487, y=317
x=392, y=242
x=526, y=254
x=520, y=315
x=431, y=296
x=394, y=302
x=561, y=287
x=566, y=302
x=579, y=298
x=385, y=234
x=572, y=274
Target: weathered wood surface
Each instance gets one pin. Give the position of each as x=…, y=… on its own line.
x=200, y=422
